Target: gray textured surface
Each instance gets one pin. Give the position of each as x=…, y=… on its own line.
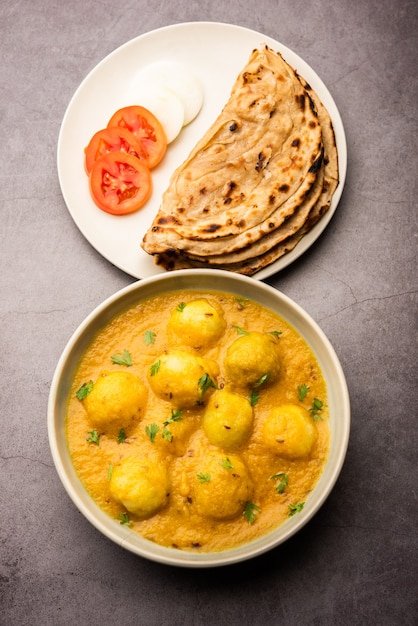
x=356, y=562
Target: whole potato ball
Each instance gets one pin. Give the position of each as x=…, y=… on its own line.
x=198, y=324
x=141, y=484
x=182, y=378
x=253, y=359
x=116, y=401
x=289, y=431
x=222, y=486
x=228, y=419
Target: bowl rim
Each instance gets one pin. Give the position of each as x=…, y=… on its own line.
x=204, y=279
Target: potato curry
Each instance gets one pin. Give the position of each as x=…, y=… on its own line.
x=199, y=419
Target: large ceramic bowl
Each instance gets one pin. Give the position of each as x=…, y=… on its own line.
x=338, y=400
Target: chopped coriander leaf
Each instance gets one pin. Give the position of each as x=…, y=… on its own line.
x=84, y=390
x=303, y=391
x=204, y=383
x=241, y=302
x=180, y=307
x=121, y=435
x=295, y=508
x=275, y=333
x=283, y=478
x=155, y=367
x=152, y=431
x=93, y=437
x=254, y=398
x=250, y=512
x=240, y=330
x=122, y=359
x=262, y=380
x=203, y=478
x=149, y=337
x=317, y=406
x=176, y=416
x=124, y=519
x=110, y=471
x=226, y=464
x=166, y=434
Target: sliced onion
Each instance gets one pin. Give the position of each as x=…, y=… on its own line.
x=163, y=103
x=178, y=78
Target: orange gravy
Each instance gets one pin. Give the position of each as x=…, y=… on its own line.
x=178, y=524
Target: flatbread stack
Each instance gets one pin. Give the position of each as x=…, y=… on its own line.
x=258, y=180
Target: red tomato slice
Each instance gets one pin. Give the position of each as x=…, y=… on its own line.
x=115, y=139
x=120, y=183
x=145, y=126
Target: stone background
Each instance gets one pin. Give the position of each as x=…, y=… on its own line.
x=355, y=563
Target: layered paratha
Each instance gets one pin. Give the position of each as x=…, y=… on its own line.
x=257, y=181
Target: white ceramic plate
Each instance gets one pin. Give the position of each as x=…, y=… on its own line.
x=216, y=53
x=338, y=403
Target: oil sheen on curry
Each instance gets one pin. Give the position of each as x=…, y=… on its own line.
x=199, y=419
